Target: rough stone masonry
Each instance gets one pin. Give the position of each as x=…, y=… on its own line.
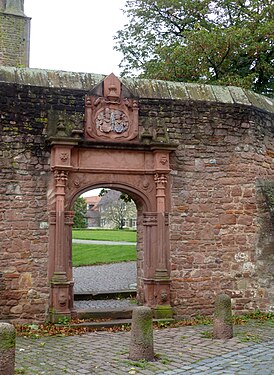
x=14, y=34
x=221, y=230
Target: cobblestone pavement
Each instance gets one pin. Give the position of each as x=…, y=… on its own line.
x=105, y=277
x=184, y=350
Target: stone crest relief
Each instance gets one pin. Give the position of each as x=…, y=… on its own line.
x=112, y=120
x=111, y=117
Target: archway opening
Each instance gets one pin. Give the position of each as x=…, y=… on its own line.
x=104, y=250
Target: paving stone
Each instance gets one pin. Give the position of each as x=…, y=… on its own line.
x=107, y=353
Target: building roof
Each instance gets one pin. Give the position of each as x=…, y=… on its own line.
x=92, y=199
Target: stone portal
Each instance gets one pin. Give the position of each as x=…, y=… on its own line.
x=112, y=154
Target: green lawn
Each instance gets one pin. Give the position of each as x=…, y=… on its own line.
x=104, y=235
x=84, y=255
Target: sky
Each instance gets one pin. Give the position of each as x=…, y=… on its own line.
x=75, y=35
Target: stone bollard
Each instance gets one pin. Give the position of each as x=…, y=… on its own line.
x=141, y=342
x=7, y=349
x=222, y=320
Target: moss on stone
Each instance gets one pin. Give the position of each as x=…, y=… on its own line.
x=7, y=336
x=145, y=325
x=142, y=88
x=163, y=312
x=223, y=309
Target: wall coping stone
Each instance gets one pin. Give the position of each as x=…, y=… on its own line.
x=142, y=88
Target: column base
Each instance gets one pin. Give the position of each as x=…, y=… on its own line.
x=59, y=317
x=60, y=304
x=157, y=296
x=163, y=312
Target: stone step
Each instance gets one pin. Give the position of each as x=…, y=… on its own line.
x=103, y=324
x=106, y=313
x=104, y=295
x=114, y=323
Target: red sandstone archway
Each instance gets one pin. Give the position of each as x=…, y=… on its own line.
x=142, y=207
x=142, y=170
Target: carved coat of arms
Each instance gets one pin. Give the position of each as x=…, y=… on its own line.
x=111, y=116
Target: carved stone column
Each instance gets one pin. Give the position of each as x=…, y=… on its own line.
x=52, y=234
x=68, y=254
x=156, y=253
x=150, y=254
x=162, y=273
x=61, y=179
x=60, y=299
x=162, y=280
x=161, y=181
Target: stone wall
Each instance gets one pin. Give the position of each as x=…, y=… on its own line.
x=221, y=232
x=218, y=240
x=24, y=161
x=14, y=39
x=220, y=228
x=23, y=204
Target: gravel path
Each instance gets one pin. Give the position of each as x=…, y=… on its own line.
x=95, y=242
x=112, y=304
x=105, y=277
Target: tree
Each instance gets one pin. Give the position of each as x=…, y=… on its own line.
x=228, y=42
x=116, y=209
x=80, y=211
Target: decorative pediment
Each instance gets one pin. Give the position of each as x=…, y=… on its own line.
x=111, y=113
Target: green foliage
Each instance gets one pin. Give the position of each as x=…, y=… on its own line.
x=84, y=255
x=142, y=364
x=207, y=334
x=227, y=42
x=80, y=210
x=7, y=338
x=20, y=370
x=103, y=192
x=256, y=315
x=162, y=358
x=248, y=336
x=64, y=320
x=163, y=323
x=105, y=235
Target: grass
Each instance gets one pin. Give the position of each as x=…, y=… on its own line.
x=104, y=235
x=84, y=255
x=207, y=334
x=247, y=337
x=20, y=370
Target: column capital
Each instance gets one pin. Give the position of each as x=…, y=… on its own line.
x=60, y=177
x=160, y=180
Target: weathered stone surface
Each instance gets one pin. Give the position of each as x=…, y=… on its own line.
x=141, y=88
x=222, y=321
x=141, y=342
x=14, y=35
x=7, y=349
x=221, y=236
